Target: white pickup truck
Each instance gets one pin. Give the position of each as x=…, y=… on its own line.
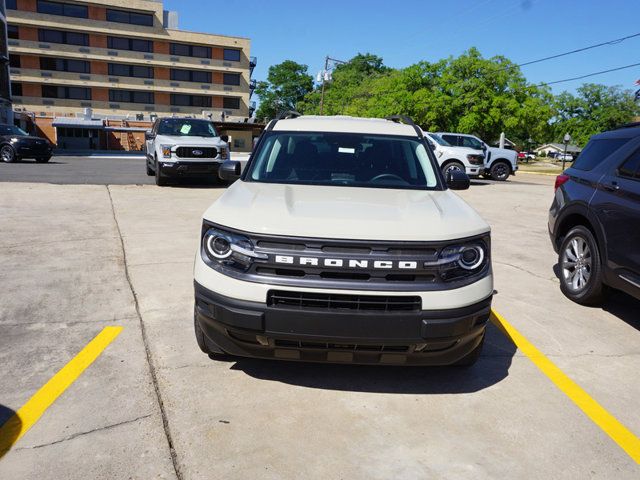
x=178, y=147
x=450, y=158
x=499, y=162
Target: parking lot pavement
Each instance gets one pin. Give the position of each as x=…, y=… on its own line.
x=242, y=418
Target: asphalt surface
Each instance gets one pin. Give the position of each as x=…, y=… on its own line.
x=77, y=258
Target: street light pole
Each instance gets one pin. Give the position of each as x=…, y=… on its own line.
x=567, y=139
x=325, y=74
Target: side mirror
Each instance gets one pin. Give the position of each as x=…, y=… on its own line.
x=457, y=180
x=224, y=138
x=230, y=171
x=148, y=135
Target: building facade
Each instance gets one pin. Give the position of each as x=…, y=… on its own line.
x=5, y=89
x=122, y=61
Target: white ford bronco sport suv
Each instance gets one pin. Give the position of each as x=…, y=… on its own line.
x=499, y=163
x=184, y=147
x=343, y=242
x=449, y=157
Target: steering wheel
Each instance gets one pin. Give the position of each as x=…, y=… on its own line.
x=388, y=176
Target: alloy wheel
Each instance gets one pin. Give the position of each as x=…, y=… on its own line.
x=577, y=264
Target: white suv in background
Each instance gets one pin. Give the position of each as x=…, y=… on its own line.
x=499, y=162
x=456, y=158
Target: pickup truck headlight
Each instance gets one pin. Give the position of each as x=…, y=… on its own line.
x=464, y=260
x=166, y=150
x=226, y=249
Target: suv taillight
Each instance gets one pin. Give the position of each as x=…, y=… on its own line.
x=560, y=180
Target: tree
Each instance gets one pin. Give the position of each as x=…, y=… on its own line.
x=593, y=109
x=287, y=84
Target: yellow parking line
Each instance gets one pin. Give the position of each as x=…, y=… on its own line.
x=30, y=413
x=607, y=422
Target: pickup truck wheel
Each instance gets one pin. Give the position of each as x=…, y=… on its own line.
x=581, y=267
x=500, y=171
x=150, y=171
x=160, y=180
x=7, y=154
x=452, y=165
x=472, y=357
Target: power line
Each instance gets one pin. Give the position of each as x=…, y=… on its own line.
x=589, y=75
x=590, y=47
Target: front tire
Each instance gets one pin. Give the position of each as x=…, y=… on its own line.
x=7, y=154
x=500, y=171
x=452, y=165
x=581, y=267
x=150, y=171
x=214, y=352
x=160, y=180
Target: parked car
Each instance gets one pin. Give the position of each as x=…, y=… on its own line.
x=522, y=156
x=567, y=157
x=179, y=147
x=342, y=241
x=530, y=155
x=594, y=220
x=451, y=158
x=16, y=144
x=499, y=163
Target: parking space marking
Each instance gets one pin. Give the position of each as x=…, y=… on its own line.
x=30, y=412
x=596, y=412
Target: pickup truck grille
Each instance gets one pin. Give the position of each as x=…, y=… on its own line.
x=325, y=301
x=196, y=152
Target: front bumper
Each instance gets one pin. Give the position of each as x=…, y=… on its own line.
x=184, y=168
x=255, y=329
x=32, y=151
x=474, y=171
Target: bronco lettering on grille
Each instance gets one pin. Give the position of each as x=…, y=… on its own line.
x=344, y=263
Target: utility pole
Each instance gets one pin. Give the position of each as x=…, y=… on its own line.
x=326, y=76
x=567, y=139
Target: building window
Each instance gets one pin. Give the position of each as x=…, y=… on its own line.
x=138, y=71
x=13, y=31
x=231, y=55
x=64, y=65
x=12, y=4
x=63, y=9
x=59, y=36
x=231, y=79
x=131, y=96
x=14, y=61
x=71, y=93
x=190, y=76
x=231, y=103
x=185, y=50
x=133, y=44
x=16, y=89
x=134, y=18
x=191, y=100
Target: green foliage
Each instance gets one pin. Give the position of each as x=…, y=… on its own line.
x=593, y=109
x=466, y=94
x=287, y=84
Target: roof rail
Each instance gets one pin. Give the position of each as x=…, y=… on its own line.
x=407, y=121
x=628, y=125
x=288, y=114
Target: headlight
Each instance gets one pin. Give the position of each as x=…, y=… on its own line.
x=223, y=153
x=465, y=260
x=226, y=249
x=166, y=150
x=14, y=140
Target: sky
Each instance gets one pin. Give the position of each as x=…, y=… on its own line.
x=404, y=32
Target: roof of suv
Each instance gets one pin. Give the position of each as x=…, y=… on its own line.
x=344, y=124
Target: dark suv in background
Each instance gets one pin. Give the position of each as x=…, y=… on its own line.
x=594, y=220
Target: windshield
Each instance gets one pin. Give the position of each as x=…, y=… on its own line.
x=184, y=127
x=439, y=140
x=343, y=159
x=11, y=130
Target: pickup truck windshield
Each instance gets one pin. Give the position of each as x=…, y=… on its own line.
x=343, y=159
x=439, y=140
x=185, y=127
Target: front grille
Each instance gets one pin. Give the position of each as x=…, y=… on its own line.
x=356, y=347
x=327, y=301
x=196, y=152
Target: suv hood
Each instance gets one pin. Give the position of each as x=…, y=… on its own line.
x=345, y=212
x=186, y=140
